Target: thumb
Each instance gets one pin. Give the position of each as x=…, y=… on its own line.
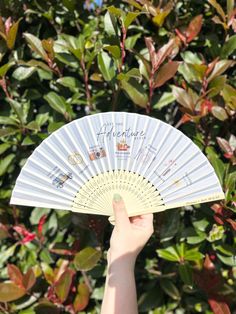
x=120, y=213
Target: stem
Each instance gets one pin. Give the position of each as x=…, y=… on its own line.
x=151, y=85
x=86, y=279
x=115, y=97
x=87, y=91
x=122, y=45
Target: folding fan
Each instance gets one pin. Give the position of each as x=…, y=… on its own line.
x=152, y=165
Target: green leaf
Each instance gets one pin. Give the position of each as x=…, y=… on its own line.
x=229, y=95
x=230, y=6
x=7, y=131
x=33, y=125
x=23, y=73
x=71, y=82
x=190, y=57
x=57, y=102
x=36, y=45
x=217, y=164
x=115, y=11
x=229, y=47
x=130, y=41
x=170, y=225
x=170, y=289
x=11, y=36
x=37, y=213
x=219, y=113
x=19, y=110
x=193, y=255
x=131, y=73
x=53, y=126
x=183, y=97
x=4, y=68
x=87, y=259
x=44, y=307
x=220, y=67
x=186, y=274
x=110, y=24
x=106, y=66
x=216, y=85
x=114, y=50
x=169, y=254
x=5, y=163
x=130, y=17
x=227, y=260
x=8, y=120
x=42, y=118
x=135, y=91
x=166, y=99
x=10, y=292
x=62, y=286
x=216, y=233
x=4, y=147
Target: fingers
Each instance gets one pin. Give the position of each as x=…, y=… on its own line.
x=145, y=220
x=120, y=213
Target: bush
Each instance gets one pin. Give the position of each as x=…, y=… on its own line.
x=61, y=60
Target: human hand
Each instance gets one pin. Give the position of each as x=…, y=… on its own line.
x=129, y=234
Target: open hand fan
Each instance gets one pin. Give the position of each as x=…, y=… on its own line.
x=152, y=165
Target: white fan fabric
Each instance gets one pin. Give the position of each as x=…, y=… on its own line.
x=150, y=163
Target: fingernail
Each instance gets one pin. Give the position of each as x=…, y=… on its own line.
x=117, y=198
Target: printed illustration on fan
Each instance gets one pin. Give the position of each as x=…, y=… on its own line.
x=60, y=180
x=75, y=159
x=122, y=145
x=96, y=153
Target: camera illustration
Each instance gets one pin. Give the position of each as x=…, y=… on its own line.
x=97, y=153
x=60, y=180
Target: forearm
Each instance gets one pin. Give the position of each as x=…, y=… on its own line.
x=120, y=289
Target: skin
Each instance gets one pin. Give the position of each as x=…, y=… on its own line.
x=127, y=240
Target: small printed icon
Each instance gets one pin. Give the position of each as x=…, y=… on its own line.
x=122, y=146
x=60, y=180
x=75, y=159
x=97, y=153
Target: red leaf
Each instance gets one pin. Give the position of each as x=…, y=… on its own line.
x=206, y=107
x=185, y=118
x=28, y=236
x=151, y=49
x=218, y=220
x=41, y=224
x=217, y=208
x=225, y=146
x=8, y=24
x=29, y=279
x=15, y=274
x=181, y=36
x=232, y=223
x=62, y=286
x=163, y=53
x=219, y=307
x=228, y=155
x=166, y=72
x=208, y=263
x=194, y=28
x=211, y=66
x=82, y=298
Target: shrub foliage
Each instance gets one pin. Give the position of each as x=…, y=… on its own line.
x=173, y=60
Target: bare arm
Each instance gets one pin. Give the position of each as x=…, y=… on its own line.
x=128, y=238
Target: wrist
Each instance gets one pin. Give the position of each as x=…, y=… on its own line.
x=124, y=261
